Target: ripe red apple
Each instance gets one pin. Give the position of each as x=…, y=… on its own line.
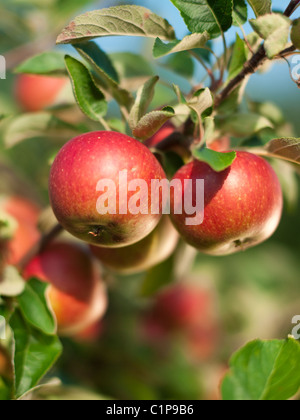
x=35, y=93
x=26, y=214
x=98, y=158
x=143, y=255
x=243, y=205
x=77, y=293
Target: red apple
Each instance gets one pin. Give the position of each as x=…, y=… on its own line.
x=77, y=293
x=35, y=93
x=85, y=165
x=26, y=214
x=242, y=205
x=152, y=250
x=181, y=307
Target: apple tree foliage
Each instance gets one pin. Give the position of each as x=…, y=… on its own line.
x=262, y=370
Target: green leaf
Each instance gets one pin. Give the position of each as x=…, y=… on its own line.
x=181, y=63
x=35, y=353
x=201, y=103
x=143, y=99
x=129, y=65
x=99, y=59
x=275, y=30
x=261, y=7
x=295, y=33
x=213, y=16
x=264, y=370
x=152, y=122
x=243, y=124
x=41, y=124
x=216, y=160
x=12, y=284
x=190, y=42
x=48, y=63
x=285, y=148
x=88, y=96
x=238, y=58
x=129, y=20
x=109, y=78
x=34, y=307
x=240, y=12
x=8, y=227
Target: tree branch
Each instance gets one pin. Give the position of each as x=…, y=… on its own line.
x=254, y=63
x=291, y=7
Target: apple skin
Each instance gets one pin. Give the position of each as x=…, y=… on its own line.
x=76, y=171
x=35, y=93
x=243, y=205
x=27, y=234
x=142, y=256
x=77, y=293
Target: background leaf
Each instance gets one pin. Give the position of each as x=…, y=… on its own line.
x=109, y=78
x=244, y=124
x=238, y=58
x=295, y=33
x=35, y=354
x=285, y=148
x=118, y=20
x=240, y=12
x=11, y=283
x=48, y=63
x=261, y=7
x=274, y=29
x=264, y=370
x=190, y=42
x=143, y=99
x=34, y=307
x=88, y=96
x=150, y=123
x=213, y=16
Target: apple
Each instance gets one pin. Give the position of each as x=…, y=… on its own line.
x=77, y=293
x=26, y=235
x=143, y=255
x=242, y=205
x=35, y=92
x=181, y=307
x=77, y=183
x=90, y=334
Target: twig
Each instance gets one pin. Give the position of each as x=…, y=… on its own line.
x=291, y=7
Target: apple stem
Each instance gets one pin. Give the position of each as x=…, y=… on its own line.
x=40, y=245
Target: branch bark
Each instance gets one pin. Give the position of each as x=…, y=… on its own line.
x=254, y=63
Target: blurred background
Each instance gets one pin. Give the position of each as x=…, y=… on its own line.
x=142, y=350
